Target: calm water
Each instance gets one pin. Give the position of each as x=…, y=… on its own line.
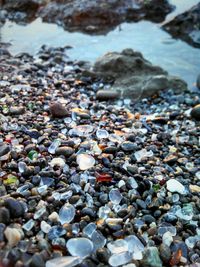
x=177, y=57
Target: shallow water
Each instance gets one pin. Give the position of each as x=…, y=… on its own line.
x=177, y=57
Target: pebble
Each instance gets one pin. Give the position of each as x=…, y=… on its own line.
x=37, y=261
x=67, y=261
x=17, y=110
x=4, y=149
x=151, y=258
x=15, y=207
x=13, y=236
x=66, y=213
x=85, y=161
x=194, y=188
x=165, y=253
x=57, y=110
x=195, y=112
x=120, y=259
x=64, y=150
x=81, y=247
x=128, y=146
x=104, y=95
x=175, y=186
x=4, y=215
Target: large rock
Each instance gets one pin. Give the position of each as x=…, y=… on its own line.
x=22, y=10
x=96, y=16
x=135, y=76
x=186, y=26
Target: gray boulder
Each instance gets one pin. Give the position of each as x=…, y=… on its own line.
x=134, y=76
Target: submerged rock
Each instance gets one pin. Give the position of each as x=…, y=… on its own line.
x=186, y=26
x=134, y=76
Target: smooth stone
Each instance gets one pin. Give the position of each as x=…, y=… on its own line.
x=59, y=162
x=194, y=188
x=57, y=110
x=4, y=149
x=120, y=259
x=15, y=207
x=115, y=196
x=195, y=112
x=67, y=261
x=37, y=261
x=104, y=95
x=4, y=215
x=13, y=236
x=175, y=186
x=17, y=110
x=148, y=218
x=151, y=258
x=64, y=150
x=66, y=213
x=81, y=247
x=128, y=146
x=103, y=255
x=85, y=161
x=165, y=253
x=118, y=246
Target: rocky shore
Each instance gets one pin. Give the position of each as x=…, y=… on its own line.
x=89, y=182
x=186, y=26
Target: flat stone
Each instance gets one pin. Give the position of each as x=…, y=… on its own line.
x=64, y=150
x=175, y=186
x=104, y=95
x=194, y=188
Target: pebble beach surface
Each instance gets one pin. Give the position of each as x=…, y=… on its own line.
x=85, y=182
